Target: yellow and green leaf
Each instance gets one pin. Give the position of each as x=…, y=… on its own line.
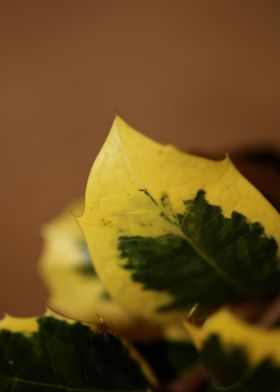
x=53, y=354
x=74, y=287
x=239, y=357
x=171, y=233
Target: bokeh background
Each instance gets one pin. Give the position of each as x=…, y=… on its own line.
x=203, y=75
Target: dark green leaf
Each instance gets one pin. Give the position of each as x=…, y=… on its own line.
x=213, y=259
x=230, y=369
x=169, y=360
x=66, y=357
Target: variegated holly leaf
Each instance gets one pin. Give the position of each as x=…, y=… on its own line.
x=74, y=287
x=171, y=232
x=239, y=357
x=52, y=354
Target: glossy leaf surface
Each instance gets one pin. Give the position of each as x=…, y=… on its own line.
x=171, y=233
x=51, y=354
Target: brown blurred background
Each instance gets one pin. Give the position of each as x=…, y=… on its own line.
x=203, y=75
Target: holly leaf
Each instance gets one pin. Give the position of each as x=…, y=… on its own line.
x=74, y=287
x=53, y=354
x=171, y=233
x=239, y=357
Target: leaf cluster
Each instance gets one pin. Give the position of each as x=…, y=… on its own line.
x=172, y=270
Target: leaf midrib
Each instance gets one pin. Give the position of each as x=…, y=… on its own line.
x=204, y=256
x=211, y=262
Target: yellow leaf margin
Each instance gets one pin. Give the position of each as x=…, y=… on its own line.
x=258, y=343
x=130, y=161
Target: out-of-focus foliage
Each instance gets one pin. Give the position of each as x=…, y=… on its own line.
x=238, y=356
x=170, y=238
x=54, y=354
x=74, y=287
